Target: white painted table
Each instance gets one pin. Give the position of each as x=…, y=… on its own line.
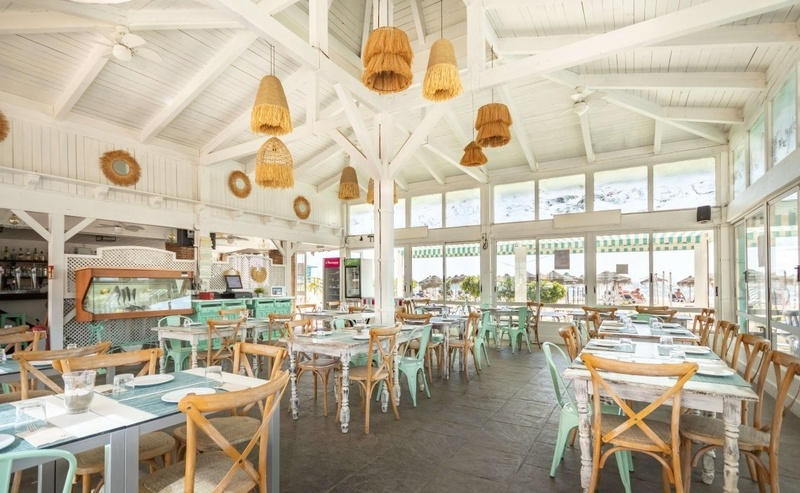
x=714, y=397
x=193, y=334
x=611, y=329
x=328, y=315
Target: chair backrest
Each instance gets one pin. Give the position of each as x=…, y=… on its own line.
x=471, y=332
x=572, y=340
x=15, y=342
x=278, y=321
x=356, y=309
x=663, y=312
x=7, y=461
x=522, y=317
x=383, y=344
x=563, y=395
x=420, y=318
x=29, y=374
x=724, y=337
x=636, y=419
x=645, y=308
x=708, y=312
x=334, y=305
x=233, y=313
x=304, y=324
x=783, y=369
x=593, y=322
x=487, y=318
x=753, y=349
x=702, y=328
x=194, y=406
x=423, y=332
x=534, y=314
x=306, y=307
x=173, y=321
x=227, y=332
x=5, y=331
x=147, y=358
x=276, y=356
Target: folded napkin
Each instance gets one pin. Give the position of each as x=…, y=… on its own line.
x=613, y=324
x=44, y=436
x=232, y=387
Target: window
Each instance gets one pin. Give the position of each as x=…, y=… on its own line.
x=739, y=170
x=623, y=270
x=515, y=267
x=427, y=271
x=362, y=220
x=462, y=270
x=399, y=272
x=561, y=271
x=514, y=202
x=682, y=265
x=426, y=210
x=684, y=185
x=463, y=208
x=400, y=214
x=758, y=154
x=621, y=189
x=784, y=121
x=561, y=196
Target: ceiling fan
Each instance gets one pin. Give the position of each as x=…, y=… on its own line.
x=231, y=239
x=124, y=45
x=118, y=227
x=583, y=99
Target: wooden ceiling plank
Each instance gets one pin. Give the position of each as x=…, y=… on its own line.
x=325, y=185
x=587, y=137
x=205, y=77
x=84, y=76
x=356, y=156
x=417, y=138
x=276, y=6
x=518, y=129
x=108, y=14
x=419, y=21
x=318, y=159
x=476, y=44
x=458, y=130
x=433, y=172
x=515, y=4
x=185, y=19
x=741, y=81
x=680, y=23
x=12, y=22
x=318, y=24
x=728, y=116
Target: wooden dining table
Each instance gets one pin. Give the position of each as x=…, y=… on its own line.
x=117, y=421
x=719, y=394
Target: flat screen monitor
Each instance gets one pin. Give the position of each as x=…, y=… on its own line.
x=233, y=282
x=278, y=291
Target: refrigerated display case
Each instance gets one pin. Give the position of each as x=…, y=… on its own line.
x=358, y=279
x=331, y=279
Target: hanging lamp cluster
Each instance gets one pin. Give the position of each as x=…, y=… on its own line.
x=270, y=116
x=348, y=184
x=371, y=192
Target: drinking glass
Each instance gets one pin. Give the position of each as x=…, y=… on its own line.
x=78, y=390
x=676, y=355
x=123, y=383
x=666, y=341
x=30, y=415
x=625, y=345
x=213, y=376
x=652, y=321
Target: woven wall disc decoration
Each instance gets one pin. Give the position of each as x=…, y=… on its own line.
x=473, y=155
x=302, y=208
x=492, y=125
x=120, y=168
x=3, y=127
x=258, y=274
x=239, y=184
x=274, y=165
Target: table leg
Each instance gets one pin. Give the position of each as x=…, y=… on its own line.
x=194, y=353
x=293, y=400
x=446, y=356
x=396, y=378
x=345, y=416
x=273, y=453
x=122, y=467
x=162, y=343
x=584, y=430
x=732, y=416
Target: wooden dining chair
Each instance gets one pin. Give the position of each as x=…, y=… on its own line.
x=701, y=327
x=228, y=469
x=239, y=427
x=5, y=331
x=31, y=375
x=572, y=340
x=334, y=305
x=382, y=348
x=761, y=434
x=319, y=367
x=152, y=446
x=21, y=341
x=466, y=345
x=227, y=333
x=632, y=430
x=306, y=307
x=434, y=347
x=277, y=326
x=724, y=337
x=534, y=316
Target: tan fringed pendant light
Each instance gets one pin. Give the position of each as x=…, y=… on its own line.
x=274, y=166
x=492, y=125
x=473, y=155
x=442, y=81
x=371, y=192
x=270, y=114
x=3, y=127
x=348, y=184
x=387, y=59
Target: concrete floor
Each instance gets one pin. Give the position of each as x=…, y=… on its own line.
x=495, y=433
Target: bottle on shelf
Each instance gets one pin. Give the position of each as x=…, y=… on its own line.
x=27, y=254
x=35, y=255
x=13, y=254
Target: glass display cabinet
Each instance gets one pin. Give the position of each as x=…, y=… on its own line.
x=105, y=293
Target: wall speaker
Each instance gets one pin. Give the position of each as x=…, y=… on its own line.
x=704, y=214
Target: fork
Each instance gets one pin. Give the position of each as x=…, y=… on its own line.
x=32, y=427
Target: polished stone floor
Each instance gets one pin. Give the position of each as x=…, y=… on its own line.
x=495, y=433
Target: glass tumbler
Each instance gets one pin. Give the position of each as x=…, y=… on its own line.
x=213, y=376
x=78, y=390
x=123, y=383
x=30, y=415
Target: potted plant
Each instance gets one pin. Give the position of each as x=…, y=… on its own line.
x=259, y=291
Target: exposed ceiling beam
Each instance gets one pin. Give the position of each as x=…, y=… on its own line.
x=417, y=138
x=518, y=129
x=433, y=172
x=204, y=78
x=476, y=43
x=479, y=175
x=419, y=21
x=108, y=14
x=333, y=180
x=155, y=19
x=685, y=21
x=15, y=22
x=658, y=134
x=753, y=35
x=748, y=81
x=347, y=146
x=457, y=128
x=276, y=6
x=318, y=24
x=357, y=122
x=515, y=4
x=366, y=25
x=318, y=159
x=728, y=116
x=84, y=76
x=587, y=137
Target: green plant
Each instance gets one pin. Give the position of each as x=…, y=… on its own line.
x=258, y=290
x=471, y=285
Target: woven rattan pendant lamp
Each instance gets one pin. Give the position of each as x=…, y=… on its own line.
x=348, y=184
x=270, y=114
x=3, y=127
x=442, y=81
x=371, y=192
x=473, y=154
x=274, y=166
x=387, y=59
x=493, y=123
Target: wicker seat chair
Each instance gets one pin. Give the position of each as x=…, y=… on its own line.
x=434, y=347
x=226, y=332
x=319, y=367
x=572, y=340
x=466, y=345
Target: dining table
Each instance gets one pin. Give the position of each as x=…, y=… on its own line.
x=715, y=388
x=343, y=344
x=641, y=330
x=116, y=421
x=329, y=315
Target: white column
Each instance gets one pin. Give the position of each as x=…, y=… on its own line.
x=520, y=274
x=487, y=254
x=56, y=287
x=700, y=288
x=384, y=250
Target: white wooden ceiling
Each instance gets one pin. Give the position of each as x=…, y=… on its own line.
x=674, y=72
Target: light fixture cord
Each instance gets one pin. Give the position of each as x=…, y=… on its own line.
x=492, y=62
x=272, y=59
x=441, y=19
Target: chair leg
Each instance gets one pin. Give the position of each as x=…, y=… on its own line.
x=686, y=462
x=476, y=360
x=623, y=461
x=486, y=353
x=425, y=383
x=86, y=483
x=527, y=341
x=412, y=386
x=324, y=377
x=366, y=413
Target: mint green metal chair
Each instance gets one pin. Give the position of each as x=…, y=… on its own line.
x=176, y=351
x=569, y=418
x=410, y=366
x=518, y=331
x=480, y=345
x=489, y=327
x=7, y=460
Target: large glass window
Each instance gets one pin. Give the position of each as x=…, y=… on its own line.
x=784, y=260
x=784, y=120
x=562, y=271
x=755, y=274
x=516, y=270
x=621, y=189
x=463, y=208
x=362, y=219
x=399, y=272
x=562, y=195
x=684, y=185
x=426, y=210
x=623, y=269
x=462, y=272
x=681, y=263
x=758, y=151
x=427, y=271
x=514, y=202
x=739, y=170
x=400, y=214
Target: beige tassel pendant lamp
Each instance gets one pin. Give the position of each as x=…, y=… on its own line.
x=473, y=155
x=371, y=192
x=387, y=59
x=274, y=166
x=270, y=114
x=493, y=123
x=442, y=81
x=348, y=184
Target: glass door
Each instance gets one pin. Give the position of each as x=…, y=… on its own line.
x=515, y=268
x=755, y=278
x=784, y=262
x=462, y=272
x=623, y=271
x=562, y=271
x=427, y=272
x=682, y=269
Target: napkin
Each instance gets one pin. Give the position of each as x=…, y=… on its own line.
x=44, y=436
x=232, y=387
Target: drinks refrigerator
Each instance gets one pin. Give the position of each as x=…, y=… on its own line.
x=331, y=279
x=358, y=279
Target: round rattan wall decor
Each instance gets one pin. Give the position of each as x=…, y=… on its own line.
x=239, y=184
x=3, y=127
x=258, y=274
x=120, y=168
x=302, y=208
